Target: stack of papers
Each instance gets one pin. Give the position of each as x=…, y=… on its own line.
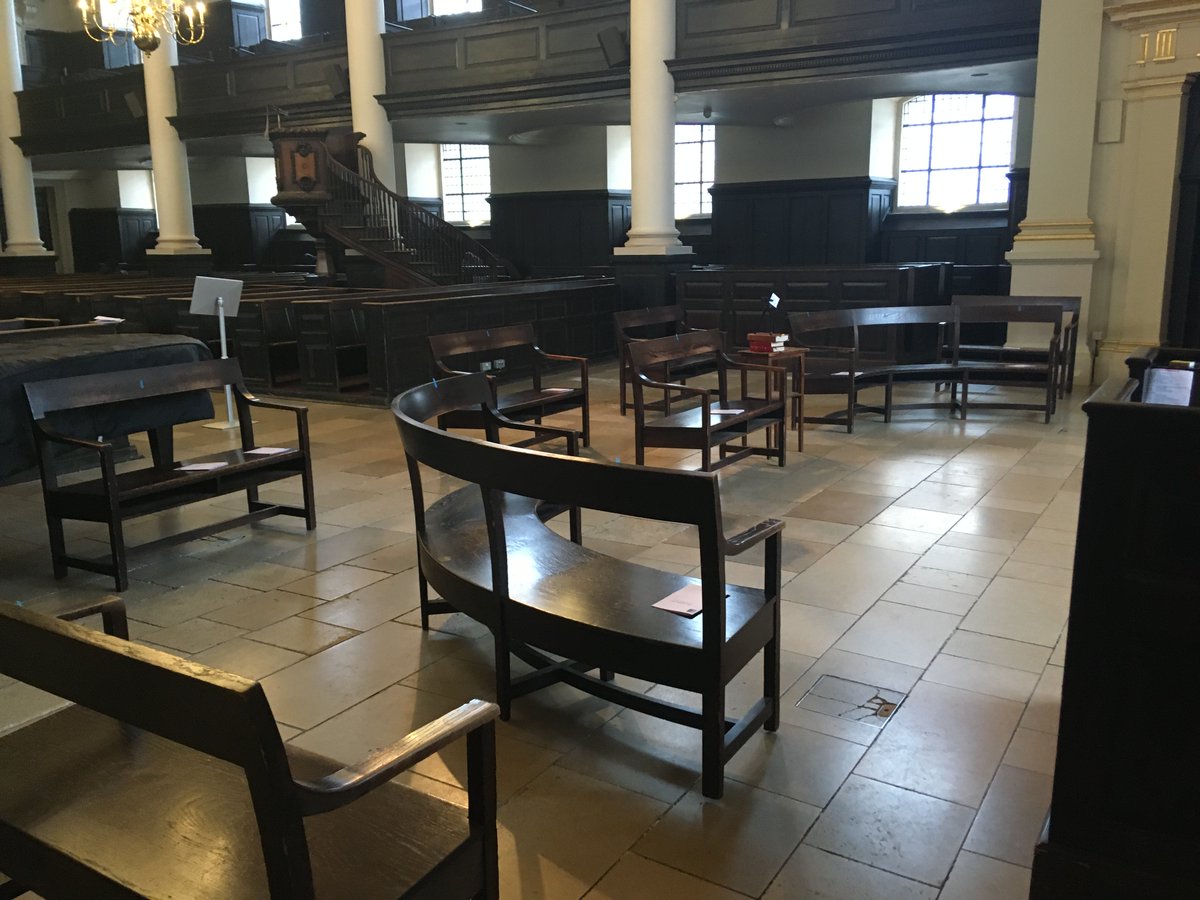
x=202, y=466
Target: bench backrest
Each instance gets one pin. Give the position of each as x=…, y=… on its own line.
x=443, y=346
x=81, y=392
x=1068, y=304
x=648, y=354
x=634, y=319
x=213, y=712
x=662, y=494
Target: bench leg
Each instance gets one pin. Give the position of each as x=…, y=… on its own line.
x=481, y=800
x=503, y=679
x=781, y=438
x=712, y=742
x=887, y=400
x=58, y=546
x=772, y=683
x=851, y=402
x=116, y=540
x=423, y=591
x=966, y=386
x=310, y=504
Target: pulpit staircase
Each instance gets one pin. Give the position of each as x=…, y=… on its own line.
x=348, y=205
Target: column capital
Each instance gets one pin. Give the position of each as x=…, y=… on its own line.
x=1159, y=87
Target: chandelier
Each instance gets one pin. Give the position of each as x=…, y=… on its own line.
x=144, y=20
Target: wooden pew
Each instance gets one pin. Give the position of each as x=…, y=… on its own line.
x=114, y=497
x=571, y=601
x=519, y=342
x=170, y=778
x=719, y=418
x=654, y=321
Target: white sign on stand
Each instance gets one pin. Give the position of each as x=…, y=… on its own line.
x=218, y=297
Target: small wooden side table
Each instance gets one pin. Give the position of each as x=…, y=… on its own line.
x=792, y=359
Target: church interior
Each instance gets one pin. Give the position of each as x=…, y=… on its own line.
x=967, y=558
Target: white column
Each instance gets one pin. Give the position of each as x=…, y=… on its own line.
x=16, y=173
x=1055, y=252
x=168, y=155
x=652, y=120
x=368, y=79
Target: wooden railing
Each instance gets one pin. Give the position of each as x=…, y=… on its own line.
x=366, y=215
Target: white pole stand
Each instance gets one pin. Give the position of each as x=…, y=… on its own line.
x=229, y=423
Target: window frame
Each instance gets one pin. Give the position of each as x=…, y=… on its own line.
x=701, y=185
x=970, y=207
x=271, y=22
x=442, y=161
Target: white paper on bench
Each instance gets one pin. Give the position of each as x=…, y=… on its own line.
x=267, y=451
x=727, y=412
x=107, y=320
x=687, y=601
x=559, y=390
x=836, y=374
x=202, y=467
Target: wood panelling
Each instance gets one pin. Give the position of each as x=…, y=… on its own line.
x=231, y=97
x=84, y=115
x=108, y=239
x=733, y=300
x=572, y=317
x=720, y=43
x=495, y=59
x=974, y=238
x=238, y=234
x=559, y=231
x=812, y=222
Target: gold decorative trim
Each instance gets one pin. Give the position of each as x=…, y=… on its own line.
x=1164, y=45
x=1144, y=52
x=1062, y=236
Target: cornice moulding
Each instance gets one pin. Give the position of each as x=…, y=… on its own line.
x=1141, y=13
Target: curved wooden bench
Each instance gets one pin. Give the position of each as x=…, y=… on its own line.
x=486, y=550
x=833, y=364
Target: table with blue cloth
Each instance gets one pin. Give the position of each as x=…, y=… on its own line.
x=72, y=355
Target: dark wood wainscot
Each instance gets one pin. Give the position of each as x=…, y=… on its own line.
x=1123, y=817
x=572, y=316
x=733, y=300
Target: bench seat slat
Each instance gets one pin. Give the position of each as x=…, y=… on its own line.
x=557, y=581
x=99, y=791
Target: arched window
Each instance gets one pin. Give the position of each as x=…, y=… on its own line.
x=466, y=183
x=956, y=150
x=695, y=164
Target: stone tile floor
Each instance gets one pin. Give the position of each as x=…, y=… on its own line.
x=928, y=560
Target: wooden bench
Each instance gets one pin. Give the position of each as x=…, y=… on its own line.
x=1035, y=367
x=556, y=596
x=719, y=419
x=170, y=779
x=114, y=497
x=834, y=364
x=1070, y=307
x=652, y=322
x=519, y=342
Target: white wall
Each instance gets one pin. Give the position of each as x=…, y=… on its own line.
x=885, y=125
x=218, y=179
x=422, y=170
x=261, y=185
x=831, y=141
x=620, y=158
x=136, y=188
x=562, y=159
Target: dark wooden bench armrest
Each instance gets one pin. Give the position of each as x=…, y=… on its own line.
x=543, y=432
x=272, y=404
x=679, y=388
x=822, y=348
x=345, y=785
x=755, y=534
x=448, y=372
x=51, y=435
x=111, y=609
